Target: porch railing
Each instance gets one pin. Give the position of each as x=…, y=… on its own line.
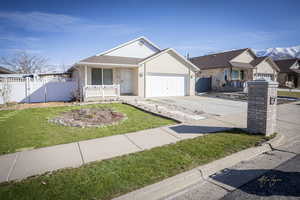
x=102, y=90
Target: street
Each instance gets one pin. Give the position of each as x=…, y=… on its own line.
x=283, y=182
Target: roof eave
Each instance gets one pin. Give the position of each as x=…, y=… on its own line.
x=107, y=64
x=194, y=67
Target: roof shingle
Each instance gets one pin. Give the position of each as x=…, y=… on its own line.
x=216, y=60
x=111, y=60
x=286, y=64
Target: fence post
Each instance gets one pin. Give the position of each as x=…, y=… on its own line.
x=27, y=89
x=45, y=90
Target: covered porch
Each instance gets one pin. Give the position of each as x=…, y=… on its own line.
x=102, y=76
x=108, y=81
x=238, y=75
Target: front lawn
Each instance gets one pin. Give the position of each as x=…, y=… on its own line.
x=111, y=178
x=289, y=94
x=29, y=128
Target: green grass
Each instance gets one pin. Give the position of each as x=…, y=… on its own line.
x=111, y=178
x=289, y=94
x=29, y=128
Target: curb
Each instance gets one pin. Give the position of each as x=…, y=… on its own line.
x=186, y=179
x=229, y=161
x=277, y=141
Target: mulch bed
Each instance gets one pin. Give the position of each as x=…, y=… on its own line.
x=89, y=117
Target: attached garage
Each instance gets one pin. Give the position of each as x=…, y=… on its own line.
x=167, y=74
x=166, y=85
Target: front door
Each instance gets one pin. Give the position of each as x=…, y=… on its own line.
x=126, y=77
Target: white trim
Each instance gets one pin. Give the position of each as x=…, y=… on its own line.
x=194, y=66
x=85, y=75
x=112, y=64
x=167, y=50
x=126, y=43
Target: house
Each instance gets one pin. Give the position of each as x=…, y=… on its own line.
x=289, y=74
x=5, y=71
x=139, y=68
x=232, y=69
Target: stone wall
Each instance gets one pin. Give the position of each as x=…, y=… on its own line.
x=262, y=107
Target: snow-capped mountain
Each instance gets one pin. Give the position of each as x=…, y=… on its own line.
x=281, y=53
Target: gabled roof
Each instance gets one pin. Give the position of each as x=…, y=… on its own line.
x=194, y=67
x=285, y=64
x=129, y=61
x=258, y=60
x=127, y=43
x=217, y=60
x=4, y=70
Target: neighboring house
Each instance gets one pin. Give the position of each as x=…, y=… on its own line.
x=289, y=74
x=232, y=69
x=5, y=71
x=137, y=67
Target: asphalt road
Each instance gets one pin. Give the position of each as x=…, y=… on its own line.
x=281, y=183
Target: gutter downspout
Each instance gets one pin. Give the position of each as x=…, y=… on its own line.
x=189, y=94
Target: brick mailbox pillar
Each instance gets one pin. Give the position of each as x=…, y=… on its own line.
x=262, y=107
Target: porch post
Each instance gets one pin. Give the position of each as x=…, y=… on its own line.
x=85, y=75
x=85, y=80
x=102, y=83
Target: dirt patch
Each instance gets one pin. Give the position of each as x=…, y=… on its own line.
x=89, y=117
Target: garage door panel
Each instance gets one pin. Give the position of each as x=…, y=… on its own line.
x=162, y=85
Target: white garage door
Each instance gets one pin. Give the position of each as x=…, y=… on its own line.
x=161, y=85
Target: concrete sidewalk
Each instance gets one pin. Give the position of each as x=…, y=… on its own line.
x=24, y=164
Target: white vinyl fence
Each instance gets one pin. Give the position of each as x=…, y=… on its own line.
x=29, y=90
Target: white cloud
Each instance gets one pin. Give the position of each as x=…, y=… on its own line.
x=18, y=50
x=50, y=22
x=12, y=38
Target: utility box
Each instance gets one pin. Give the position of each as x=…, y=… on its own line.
x=262, y=107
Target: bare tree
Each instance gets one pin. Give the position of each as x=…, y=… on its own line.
x=25, y=63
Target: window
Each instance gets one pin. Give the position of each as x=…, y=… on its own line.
x=107, y=77
x=96, y=76
x=235, y=75
x=102, y=76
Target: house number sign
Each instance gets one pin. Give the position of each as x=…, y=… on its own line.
x=272, y=100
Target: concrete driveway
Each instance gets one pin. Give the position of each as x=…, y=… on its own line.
x=207, y=105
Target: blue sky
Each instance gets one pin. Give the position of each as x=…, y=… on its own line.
x=66, y=31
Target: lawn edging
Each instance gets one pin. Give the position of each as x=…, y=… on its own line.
x=186, y=179
x=153, y=112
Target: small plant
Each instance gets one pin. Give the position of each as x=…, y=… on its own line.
x=76, y=95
